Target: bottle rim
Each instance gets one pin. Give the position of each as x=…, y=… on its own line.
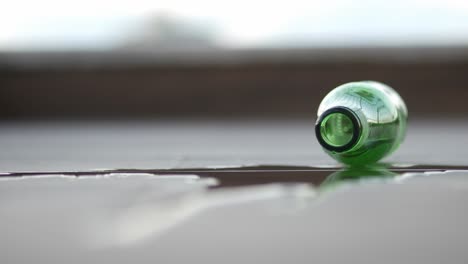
x=356, y=129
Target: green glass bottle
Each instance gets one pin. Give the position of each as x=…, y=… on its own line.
x=359, y=123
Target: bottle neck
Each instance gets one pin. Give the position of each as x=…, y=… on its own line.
x=341, y=129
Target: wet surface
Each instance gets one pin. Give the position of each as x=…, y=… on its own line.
x=208, y=206
x=253, y=175
x=367, y=215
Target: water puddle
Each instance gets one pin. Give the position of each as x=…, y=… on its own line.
x=265, y=174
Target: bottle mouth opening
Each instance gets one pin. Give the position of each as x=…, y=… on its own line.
x=338, y=129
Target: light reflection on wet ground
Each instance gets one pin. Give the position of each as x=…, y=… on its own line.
x=306, y=212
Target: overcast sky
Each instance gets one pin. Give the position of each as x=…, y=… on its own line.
x=92, y=24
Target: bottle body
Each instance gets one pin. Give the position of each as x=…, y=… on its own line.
x=359, y=123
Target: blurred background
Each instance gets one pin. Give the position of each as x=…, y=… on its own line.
x=215, y=59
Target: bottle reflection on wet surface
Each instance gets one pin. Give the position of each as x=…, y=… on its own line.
x=353, y=174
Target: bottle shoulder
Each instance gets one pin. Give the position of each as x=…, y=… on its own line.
x=377, y=101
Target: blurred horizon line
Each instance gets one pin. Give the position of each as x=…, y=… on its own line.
x=227, y=56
